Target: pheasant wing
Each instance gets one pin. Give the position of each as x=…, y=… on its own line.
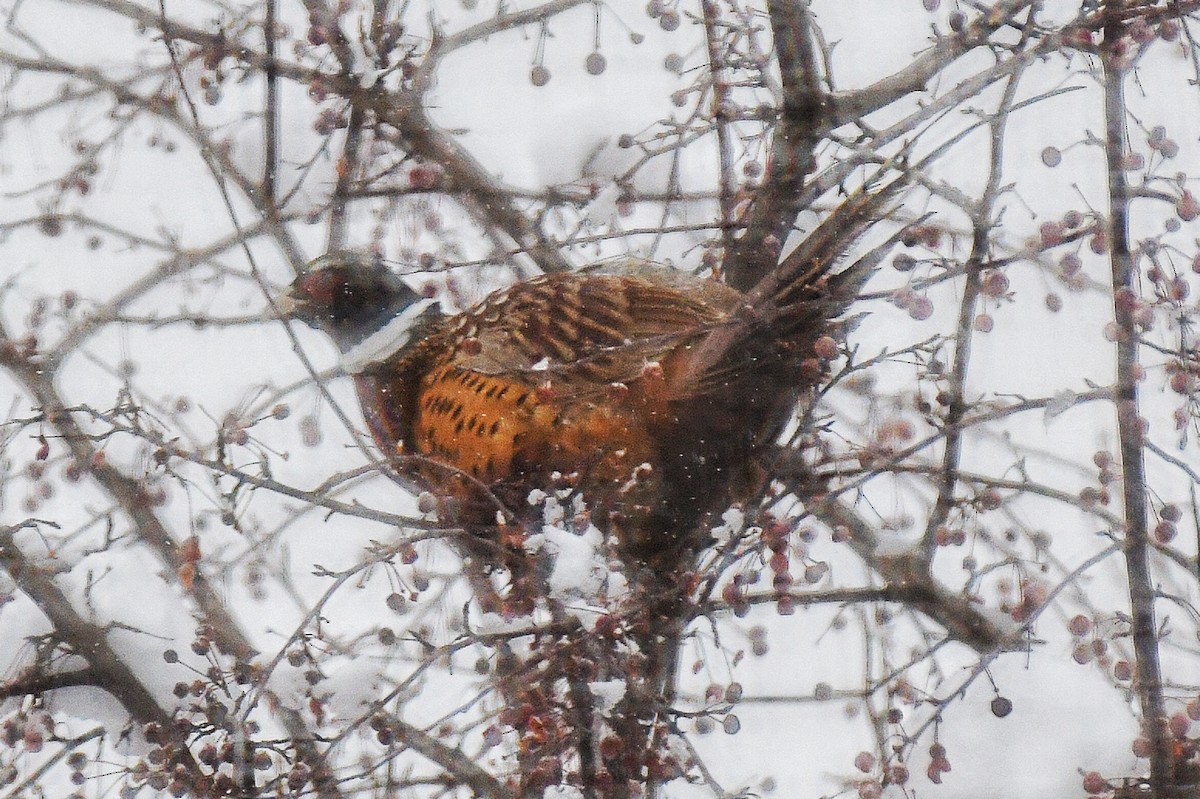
x=584, y=328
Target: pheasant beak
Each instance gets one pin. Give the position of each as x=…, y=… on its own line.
x=286, y=305
x=293, y=306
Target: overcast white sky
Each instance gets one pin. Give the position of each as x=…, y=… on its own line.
x=1066, y=716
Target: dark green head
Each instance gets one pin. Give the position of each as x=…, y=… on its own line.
x=368, y=311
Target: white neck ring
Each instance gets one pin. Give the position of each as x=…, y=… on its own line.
x=386, y=341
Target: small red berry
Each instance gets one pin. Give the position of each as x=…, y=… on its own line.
x=1188, y=208
x=825, y=348
x=1093, y=783
x=1080, y=625
x=921, y=308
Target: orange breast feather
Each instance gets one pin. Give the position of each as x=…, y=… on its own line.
x=496, y=427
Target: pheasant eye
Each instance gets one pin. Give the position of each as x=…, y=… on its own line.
x=320, y=288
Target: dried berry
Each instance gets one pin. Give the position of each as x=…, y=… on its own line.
x=595, y=63
x=1093, y=783
x=1188, y=208
x=920, y=308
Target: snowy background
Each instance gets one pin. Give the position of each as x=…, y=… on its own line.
x=122, y=253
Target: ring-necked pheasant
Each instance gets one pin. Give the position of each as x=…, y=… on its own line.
x=651, y=391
